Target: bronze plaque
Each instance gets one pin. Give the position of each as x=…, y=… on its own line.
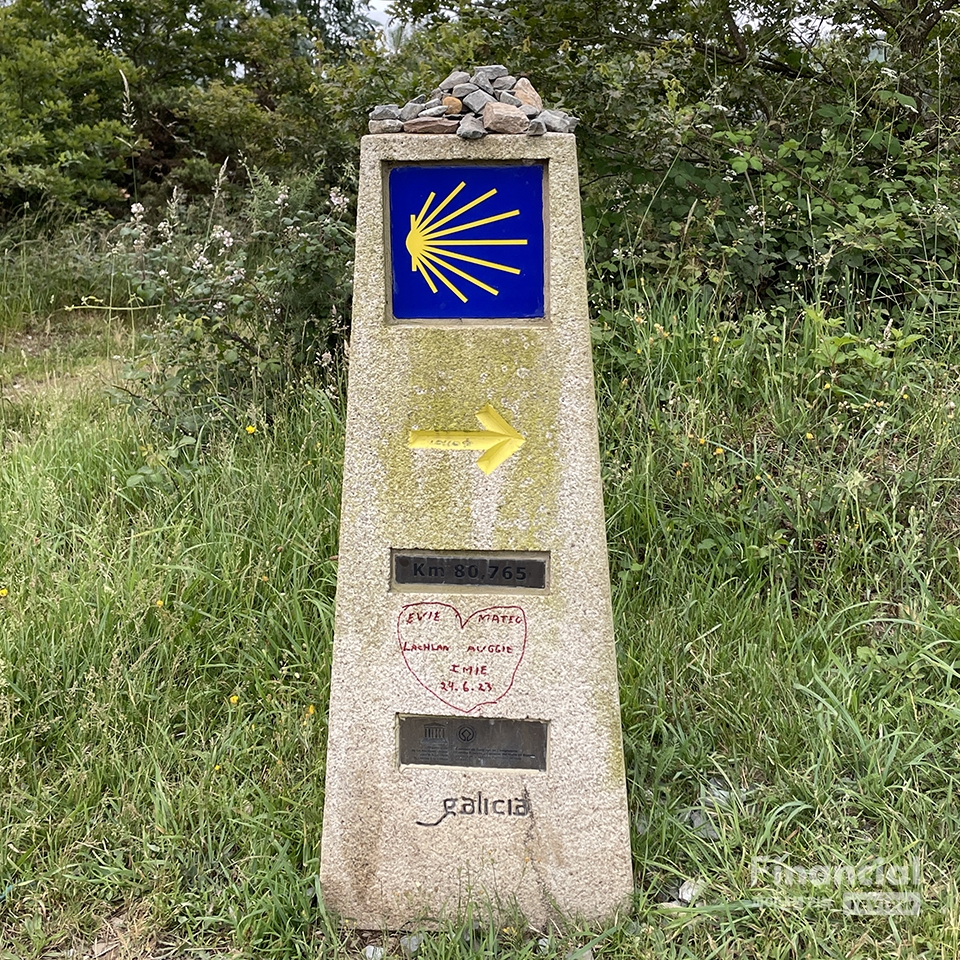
x=494, y=743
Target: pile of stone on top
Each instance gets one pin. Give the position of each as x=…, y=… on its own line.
x=471, y=106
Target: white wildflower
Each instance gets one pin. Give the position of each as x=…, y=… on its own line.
x=223, y=237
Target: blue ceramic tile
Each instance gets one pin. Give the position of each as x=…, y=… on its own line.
x=466, y=242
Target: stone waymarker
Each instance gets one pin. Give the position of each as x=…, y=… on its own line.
x=474, y=749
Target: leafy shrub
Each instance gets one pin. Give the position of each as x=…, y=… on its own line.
x=243, y=312
x=849, y=213
x=64, y=141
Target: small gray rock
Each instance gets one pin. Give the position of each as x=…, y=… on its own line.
x=412, y=109
x=700, y=822
x=504, y=83
x=385, y=126
x=691, y=891
x=440, y=111
x=505, y=97
x=543, y=945
x=385, y=111
x=373, y=952
x=433, y=102
x=492, y=71
x=530, y=110
x=457, y=76
x=483, y=82
x=477, y=100
x=437, y=94
x=718, y=792
x=554, y=120
x=410, y=945
x=471, y=128
x=462, y=90
x=558, y=122
x=537, y=128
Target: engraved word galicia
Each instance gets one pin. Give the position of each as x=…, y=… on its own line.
x=481, y=806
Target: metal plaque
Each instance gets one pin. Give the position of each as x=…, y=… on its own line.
x=497, y=744
x=504, y=571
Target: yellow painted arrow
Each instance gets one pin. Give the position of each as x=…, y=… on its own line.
x=498, y=439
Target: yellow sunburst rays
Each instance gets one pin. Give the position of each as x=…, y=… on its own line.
x=426, y=254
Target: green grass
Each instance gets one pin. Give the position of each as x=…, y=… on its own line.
x=49, y=267
x=165, y=649
x=784, y=559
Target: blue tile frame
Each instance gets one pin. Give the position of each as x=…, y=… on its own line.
x=467, y=241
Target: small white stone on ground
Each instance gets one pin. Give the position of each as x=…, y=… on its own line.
x=692, y=891
x=700, y=822
x=410, y=945
x=373, y=952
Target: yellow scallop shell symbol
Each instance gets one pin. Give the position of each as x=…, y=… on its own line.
x=430, y=252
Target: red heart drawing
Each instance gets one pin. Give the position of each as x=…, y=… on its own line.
x=466, y=664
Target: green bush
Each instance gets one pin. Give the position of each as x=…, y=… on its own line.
x=246, y=306
x=65, y=141
x=854, y=208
